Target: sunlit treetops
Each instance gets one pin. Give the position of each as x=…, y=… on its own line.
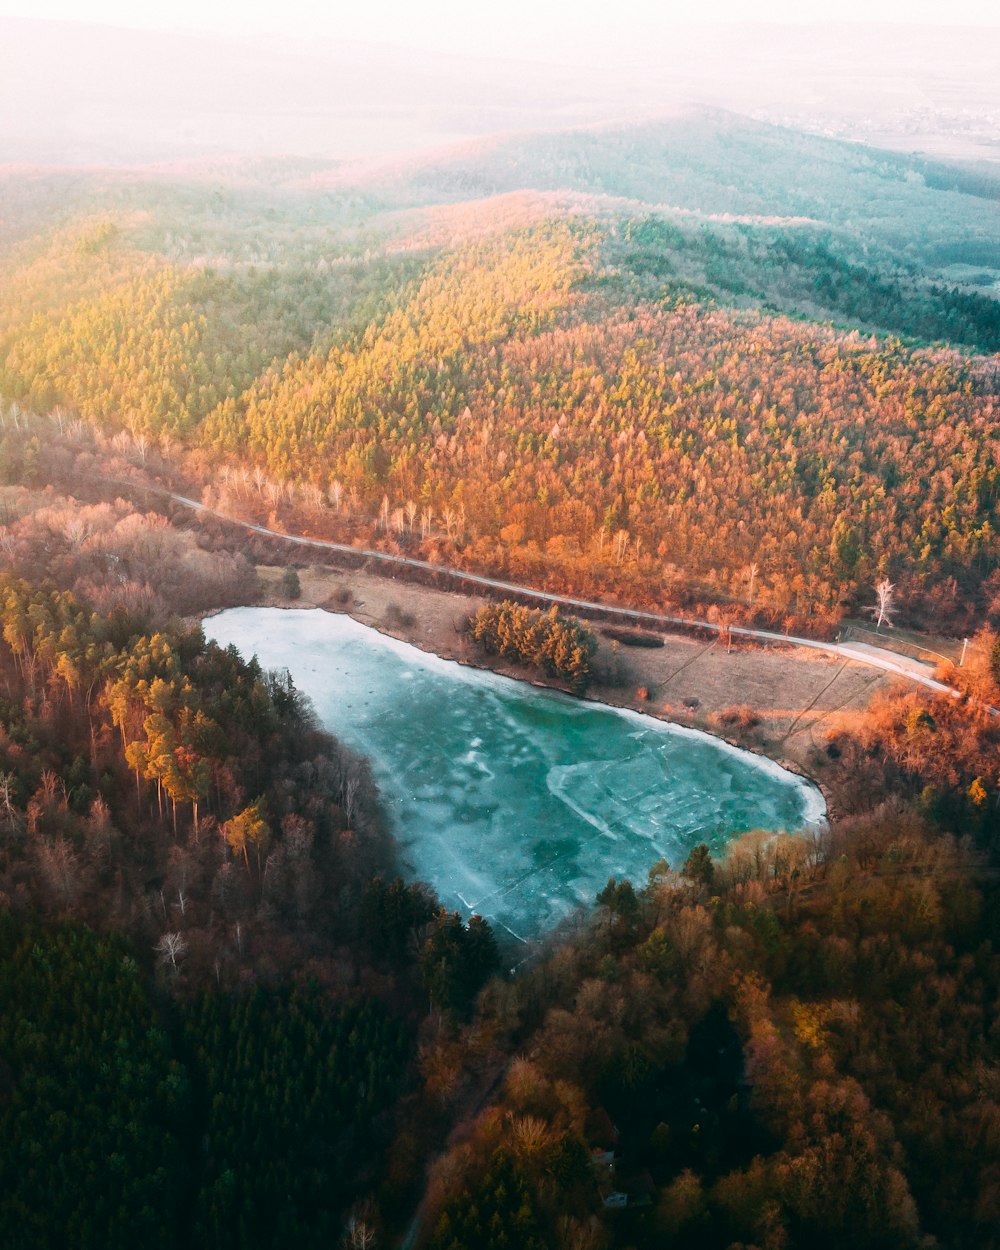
x=699, y=438
x=559, y=645
x=579, y=403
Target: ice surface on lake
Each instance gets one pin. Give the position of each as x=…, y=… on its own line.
x=515, y=802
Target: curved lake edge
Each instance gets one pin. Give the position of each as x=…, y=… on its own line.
x=818, y=802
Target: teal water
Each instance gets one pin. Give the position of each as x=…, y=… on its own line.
x=511, y=801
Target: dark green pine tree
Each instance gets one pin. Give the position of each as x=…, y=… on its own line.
x=498, y=1213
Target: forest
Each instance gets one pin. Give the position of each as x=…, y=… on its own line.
x=181, y=1007
x=764, y=1052
x=674, y=410
x=708, y=366
x=561, y=648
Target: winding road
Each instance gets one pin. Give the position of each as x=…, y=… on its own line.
x=858, y=653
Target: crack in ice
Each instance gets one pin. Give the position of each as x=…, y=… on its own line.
x=508, y=797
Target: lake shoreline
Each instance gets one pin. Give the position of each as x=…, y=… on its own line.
x=464, y=757
x=430, y=635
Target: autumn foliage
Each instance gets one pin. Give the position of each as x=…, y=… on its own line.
x=560, y=646
x=534, y=403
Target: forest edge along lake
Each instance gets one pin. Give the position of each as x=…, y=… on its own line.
x=513, y=801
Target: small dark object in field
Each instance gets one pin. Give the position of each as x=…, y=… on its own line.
x=631, y=638
x=395, y=615
x=692, y=702
x=738, y=716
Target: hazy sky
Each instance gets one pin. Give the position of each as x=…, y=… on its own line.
x=548, y=29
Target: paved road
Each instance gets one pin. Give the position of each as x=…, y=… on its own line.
x=888, y=661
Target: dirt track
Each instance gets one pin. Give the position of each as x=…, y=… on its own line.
x=873, y=656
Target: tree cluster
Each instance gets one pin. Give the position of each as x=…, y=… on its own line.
x=942, y=753
x=791, y=1047
x=560, y=646
x=158, y=783
x=243, y=1122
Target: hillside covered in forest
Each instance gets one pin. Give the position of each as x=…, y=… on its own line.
x=702, y=364
x=567, y=381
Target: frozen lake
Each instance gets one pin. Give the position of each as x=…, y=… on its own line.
x=511, y=801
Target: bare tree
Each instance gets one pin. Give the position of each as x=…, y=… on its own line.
x=8, y=812
x=359, y=1236
x=621, y=542
x=171, y=947
x=60, y=866
x=885, y=605
x=311, y=495
x=753, y=570
x=350, y=792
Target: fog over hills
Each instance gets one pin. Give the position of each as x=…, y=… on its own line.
x=88, y=94
x=712, y=162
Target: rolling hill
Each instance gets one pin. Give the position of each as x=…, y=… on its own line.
x=640, y=359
